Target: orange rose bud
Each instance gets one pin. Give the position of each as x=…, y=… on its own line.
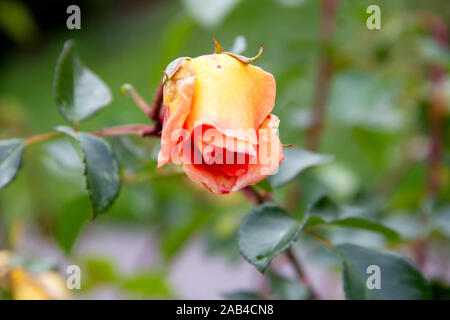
x=218, y=123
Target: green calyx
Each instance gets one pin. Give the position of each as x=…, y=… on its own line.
x=245, y=59
x=219, y=49
x=173, y=67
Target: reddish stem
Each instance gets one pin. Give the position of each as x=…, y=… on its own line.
x=436, y=122
x=138, y=129
x=437, y=108
x=140, y=102
x=252, y=195
x=256, y=197
x=42, y=137
x=327, y=27
x=155, y=112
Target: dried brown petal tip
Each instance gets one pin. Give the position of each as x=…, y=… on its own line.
x=217, y=47
x=173, y=67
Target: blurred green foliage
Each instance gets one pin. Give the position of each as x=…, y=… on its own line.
x=377, y=123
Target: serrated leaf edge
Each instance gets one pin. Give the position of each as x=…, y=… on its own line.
x=283, y=249
x=75, y=135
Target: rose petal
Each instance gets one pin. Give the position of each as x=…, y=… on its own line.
x=213, y=181
x=214, y=141
x=233, y=97
x=232, y=177
x=178, y=93
x=268, y=162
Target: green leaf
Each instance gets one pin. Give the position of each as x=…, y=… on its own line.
x=78, y=92
x=100, y=169
x=71, y=220
x=399, y=278
x=266, y=232
x=325, y=211
x=365, y=224
x=10, y=159
x=295, y=161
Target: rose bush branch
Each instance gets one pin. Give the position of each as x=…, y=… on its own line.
x=132, y=129
x=143, y=130
x=437, y=110
x=322, y=88
x=256, y=197
x=436, y=124
x=222, y=91
x=154, y=112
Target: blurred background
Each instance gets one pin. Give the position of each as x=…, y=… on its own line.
x=387, y=98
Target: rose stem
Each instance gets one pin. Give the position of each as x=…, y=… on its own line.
x=155, y=112
x=253, y=195
x=327, y=27
x=137, y=129
x=324, y=73
x=436, y=118
x=157, y=105
x=42, y=137
x=437, y=107
x=128, y=89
